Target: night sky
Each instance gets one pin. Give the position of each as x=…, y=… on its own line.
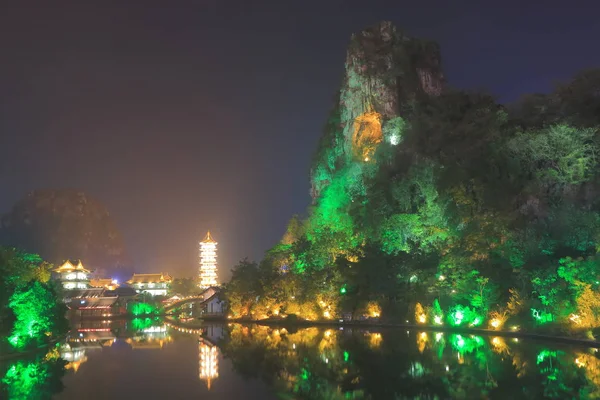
x=205, y=116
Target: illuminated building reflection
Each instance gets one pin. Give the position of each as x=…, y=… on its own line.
x=209, y=363
x=73, y=355
x=152, y=337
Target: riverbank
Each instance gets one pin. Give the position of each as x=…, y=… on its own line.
x=520, y=334
x=11, y=355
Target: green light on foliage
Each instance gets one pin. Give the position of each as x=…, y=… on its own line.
x=138, y=309
x=37, y=379
x=542, y=355
x=346, y=356
x=467, y=345
x=139, y=324
x=438, y=320
x=305, y=374
x=36, y=311
x=343, y=289
x=541, y=317
x=460, y=315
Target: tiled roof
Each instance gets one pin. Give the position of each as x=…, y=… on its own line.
x=100, y=282
x=71, y=266
x=150, y=278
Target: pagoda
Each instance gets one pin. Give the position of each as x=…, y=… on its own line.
x=208, y=262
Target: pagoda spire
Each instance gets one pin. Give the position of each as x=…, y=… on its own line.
x=208, y=238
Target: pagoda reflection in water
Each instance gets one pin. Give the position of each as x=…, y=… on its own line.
x=208, y=355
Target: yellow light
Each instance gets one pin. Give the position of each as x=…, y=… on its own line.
x=367, y=134
x=375, y=340
x=327, y=314
x=275, y=312
x=575, y=318
x=495, y=323
x=422, y=319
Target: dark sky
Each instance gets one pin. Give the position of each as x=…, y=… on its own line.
x=205, y=115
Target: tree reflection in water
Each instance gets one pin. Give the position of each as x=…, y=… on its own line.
x=32, y=379
x=317, y=363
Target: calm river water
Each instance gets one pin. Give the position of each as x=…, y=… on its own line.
x=153, y=359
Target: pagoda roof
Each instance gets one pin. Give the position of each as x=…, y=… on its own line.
x=103, y=282
x=208, y=238
x=150, y=278
x=70, y=266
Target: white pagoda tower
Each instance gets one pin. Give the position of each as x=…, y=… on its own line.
x=208, y=262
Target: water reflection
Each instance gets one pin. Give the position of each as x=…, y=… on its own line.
x=209, y=362
x=135, y=356
x=331, y=364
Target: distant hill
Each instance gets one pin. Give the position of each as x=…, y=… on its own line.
x=61, y=224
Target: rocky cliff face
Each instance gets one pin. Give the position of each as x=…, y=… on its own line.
x=384, y=71
x=65, y=224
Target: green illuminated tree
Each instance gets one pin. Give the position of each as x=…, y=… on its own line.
x=39, y=317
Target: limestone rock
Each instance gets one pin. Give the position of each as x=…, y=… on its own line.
x=384, y=71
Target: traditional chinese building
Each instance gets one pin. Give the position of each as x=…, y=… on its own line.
x=208, y=262
x=213, y=304
x=73, y=275
x=154, y=284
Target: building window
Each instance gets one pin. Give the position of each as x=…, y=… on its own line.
x=71, y=276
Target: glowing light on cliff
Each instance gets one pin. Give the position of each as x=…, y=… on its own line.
x=208, y=262
x=366, y=134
